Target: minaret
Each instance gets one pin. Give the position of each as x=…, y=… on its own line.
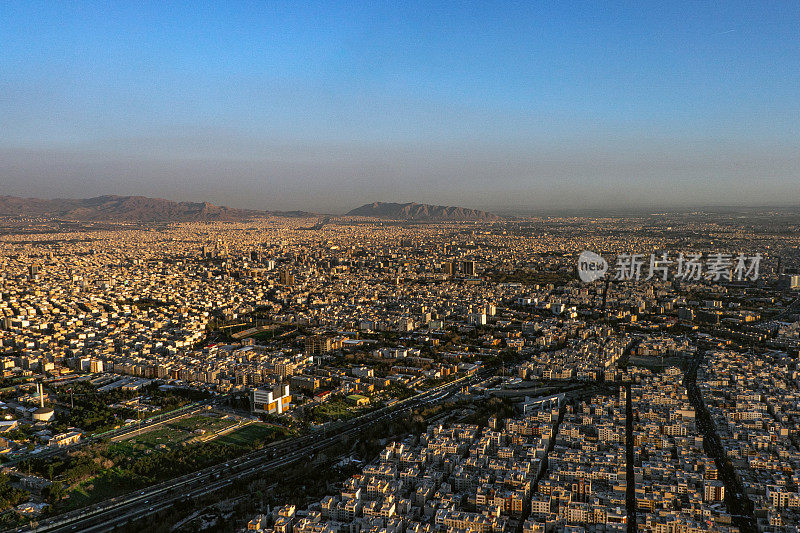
x=41, y=394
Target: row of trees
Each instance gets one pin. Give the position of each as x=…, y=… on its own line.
x=10, y=496
x=123, y=471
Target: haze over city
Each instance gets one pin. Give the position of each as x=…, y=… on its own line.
x=399, y=267
x=319, y=107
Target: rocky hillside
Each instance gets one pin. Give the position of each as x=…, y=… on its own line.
x=414, y=211
x=126, y=209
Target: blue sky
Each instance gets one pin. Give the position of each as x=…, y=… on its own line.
x=328, y=105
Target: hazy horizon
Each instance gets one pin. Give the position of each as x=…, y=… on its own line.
x=324, y=108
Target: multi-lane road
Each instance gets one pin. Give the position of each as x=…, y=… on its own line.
x=116, y=434
x=106, y=515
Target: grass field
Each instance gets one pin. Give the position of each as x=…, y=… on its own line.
x=173, y=434
x=208, y=423
x=113, y=481
x=335, y=410
x=252, y=433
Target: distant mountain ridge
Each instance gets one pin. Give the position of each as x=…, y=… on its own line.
x=415, y=211
x=128, y=209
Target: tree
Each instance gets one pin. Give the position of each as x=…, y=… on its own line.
x=54, y=492
x=9, y=496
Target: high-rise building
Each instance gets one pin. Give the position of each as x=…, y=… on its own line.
x=286, y=277
x=789, y=281
x=285, y=368
x=318, y=344
x=477, y=319
x=221, y=248
x=713, y=491
x=275, y=400
x=468, y=268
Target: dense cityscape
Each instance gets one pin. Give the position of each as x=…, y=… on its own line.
x=299, y=375
x=399, y=267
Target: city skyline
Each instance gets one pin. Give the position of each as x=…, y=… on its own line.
x=421, y=267
x=344, y=373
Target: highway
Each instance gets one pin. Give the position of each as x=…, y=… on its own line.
x=116, y=434
x=106, y=515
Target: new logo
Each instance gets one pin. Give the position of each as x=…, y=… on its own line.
x=591, y=266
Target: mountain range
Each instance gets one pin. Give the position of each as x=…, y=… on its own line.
x=141, y=209
x=415, y=211
x=128, y=209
